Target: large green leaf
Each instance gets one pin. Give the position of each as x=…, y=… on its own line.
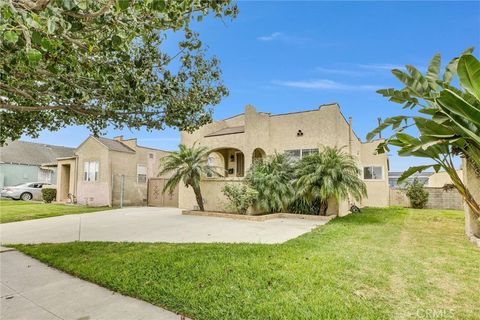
x=395, y=122
x=450, y=101
x=433, y=73
x=432, y=128
x=451, y=68
x=469, y=74
x=412, y=170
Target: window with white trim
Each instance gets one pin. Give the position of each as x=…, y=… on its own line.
x=90, y=170
x=373, y=173
x=306, y=152
x=297, y=154
x=141, y=173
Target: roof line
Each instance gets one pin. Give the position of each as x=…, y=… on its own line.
x=44, y=144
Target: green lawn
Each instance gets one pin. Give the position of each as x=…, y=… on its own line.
x=11, y=210
x=381, y=264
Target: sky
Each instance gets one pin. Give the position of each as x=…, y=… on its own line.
x=290, y=56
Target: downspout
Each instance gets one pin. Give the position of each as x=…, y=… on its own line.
x=75, y=177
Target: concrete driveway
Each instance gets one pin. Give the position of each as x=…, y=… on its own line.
x=152, y=224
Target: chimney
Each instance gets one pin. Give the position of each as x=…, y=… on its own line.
x=118, y=138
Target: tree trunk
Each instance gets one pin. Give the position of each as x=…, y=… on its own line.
x=472, y=183
x=198, y=196
x=323, y=208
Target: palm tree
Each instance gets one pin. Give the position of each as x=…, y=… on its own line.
x=272, y=179
x=331, y=173
x=188, y=165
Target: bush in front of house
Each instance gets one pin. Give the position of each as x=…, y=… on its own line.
x=329, y=174
x=49, y=194
x=272, y=178
x=417, y=194
x=241, y=197
x=302, y=205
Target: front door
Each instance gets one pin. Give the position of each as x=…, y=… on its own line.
x=240, y=160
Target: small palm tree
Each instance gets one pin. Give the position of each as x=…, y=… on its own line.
x=331, y=173
x=272, y=179
x=188, y=165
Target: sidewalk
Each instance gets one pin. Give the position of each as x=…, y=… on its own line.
x=31, y=290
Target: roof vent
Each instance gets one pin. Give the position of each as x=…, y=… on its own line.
x=299, y=133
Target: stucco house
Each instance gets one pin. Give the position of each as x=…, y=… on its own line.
x=236, y=142
x=109, y=172
x=23, y=161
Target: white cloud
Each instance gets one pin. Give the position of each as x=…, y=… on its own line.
x=271, y=37
x=381, y=66
x=325, y=84
x=343, y=72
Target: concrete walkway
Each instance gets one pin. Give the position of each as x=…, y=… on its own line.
x=152, y=224
x=31, y=290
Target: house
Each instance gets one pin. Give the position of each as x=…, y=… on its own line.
x=393, y=177
x=237, y=142
x=441, y=178
x=109, y=172
x=428, y=179
x=22, y=161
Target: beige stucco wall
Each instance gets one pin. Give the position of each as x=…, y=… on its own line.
x=377, y=190
x=439, y=179
x=122, y=163
x=325, y=126
x=95, y=193
x=65, y=178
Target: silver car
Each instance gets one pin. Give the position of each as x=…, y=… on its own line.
x=24, y=191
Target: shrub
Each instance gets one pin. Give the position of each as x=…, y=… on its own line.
x=330, y=173
x=302, y=205
x=417, y=194
x=49, y=194
x=272, y=179
x=241, y=197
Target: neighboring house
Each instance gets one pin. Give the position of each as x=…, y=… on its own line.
x=22, y=161
x=439, y=179
x=237, y=142
x=393, y=177
x=106, y=172
x=429, y=179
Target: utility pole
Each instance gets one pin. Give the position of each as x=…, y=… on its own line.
x=379, y=123
x=122, y=183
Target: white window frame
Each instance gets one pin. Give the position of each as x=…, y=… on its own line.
x=309, y=150
x=373, y=166
x=91, y=171
x=141, y=173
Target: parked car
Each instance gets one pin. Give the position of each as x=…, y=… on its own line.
x=24, y=191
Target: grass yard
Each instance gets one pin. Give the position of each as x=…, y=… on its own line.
x=11, y=210
x=381, y=264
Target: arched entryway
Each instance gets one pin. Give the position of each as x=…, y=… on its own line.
x=229, y=161
x=258, y=155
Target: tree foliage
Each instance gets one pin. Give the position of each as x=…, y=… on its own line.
x=105, y=62
x=449, y=123
x=331, y=173
x=187, y=166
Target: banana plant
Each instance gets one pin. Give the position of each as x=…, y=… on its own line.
x=449, y=120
